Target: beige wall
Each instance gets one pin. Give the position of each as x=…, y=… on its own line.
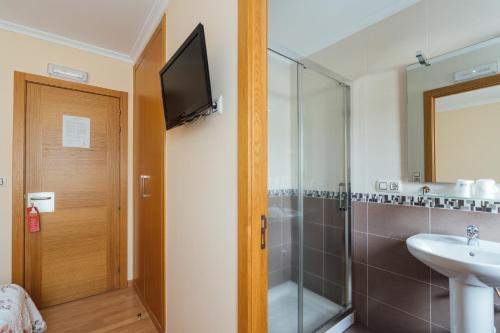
x=27, y=54
x=464, y=137
x=202, y=183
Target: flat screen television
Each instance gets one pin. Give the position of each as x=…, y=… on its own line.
x=185, y=81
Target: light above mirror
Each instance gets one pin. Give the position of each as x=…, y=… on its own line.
x=453, y=116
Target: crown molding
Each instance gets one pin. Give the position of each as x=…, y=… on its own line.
x=24, y=30
x=153, y=19
x=148, y=28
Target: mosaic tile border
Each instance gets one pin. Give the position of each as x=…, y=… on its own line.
x=471, y=205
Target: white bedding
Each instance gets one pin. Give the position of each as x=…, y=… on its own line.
x=18, y=313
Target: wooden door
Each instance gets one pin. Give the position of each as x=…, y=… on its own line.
x=149, y=150
x=76, y=253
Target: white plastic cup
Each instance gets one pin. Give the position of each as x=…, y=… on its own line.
x=463, y=188
x=486, y=188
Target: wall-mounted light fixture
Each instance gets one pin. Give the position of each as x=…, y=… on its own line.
x=478, y=71
x=67, y=73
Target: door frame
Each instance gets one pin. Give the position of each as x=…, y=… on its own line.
x=430, y=117
x=21, y=81
x=252, y=165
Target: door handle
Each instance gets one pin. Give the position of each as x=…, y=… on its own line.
x=263, y=228
x=143, y=186
x=43, y=201
x=342, y=197
x=40, y=198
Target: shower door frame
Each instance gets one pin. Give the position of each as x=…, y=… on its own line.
x=253, y=167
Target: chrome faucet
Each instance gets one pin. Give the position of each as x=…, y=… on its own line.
x=473, y=235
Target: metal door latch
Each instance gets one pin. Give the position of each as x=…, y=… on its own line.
x=263, y=227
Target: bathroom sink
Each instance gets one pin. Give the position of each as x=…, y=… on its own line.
x=473, y=271
x=451, y=256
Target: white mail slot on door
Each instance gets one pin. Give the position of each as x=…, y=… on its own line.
x=43, y=201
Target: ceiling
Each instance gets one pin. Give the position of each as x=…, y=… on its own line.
x=117, y=28
x=428, y=25
x=305, y=27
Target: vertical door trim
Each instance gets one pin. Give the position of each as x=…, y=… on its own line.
x=252, y=164
x=18, y=168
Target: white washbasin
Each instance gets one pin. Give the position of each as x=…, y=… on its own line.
x=451, y=256
x=473, y=272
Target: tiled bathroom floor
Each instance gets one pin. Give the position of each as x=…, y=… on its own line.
x=283, y=306
x=358, y=328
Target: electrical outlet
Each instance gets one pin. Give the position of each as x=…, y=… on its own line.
x=395, y=186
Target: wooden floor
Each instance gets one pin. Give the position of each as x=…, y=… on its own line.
x=117, y=311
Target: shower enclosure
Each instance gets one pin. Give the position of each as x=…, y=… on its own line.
x=309, y=266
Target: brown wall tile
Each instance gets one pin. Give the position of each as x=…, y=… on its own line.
x=274, y=259
x=406, y=294
x=359, y=216
x=334, y=292
x=439, y=279
x=396, y=221
x=313, y=283
x=313, y=261
x=333, y=215
x=359, y=247
x=440, y=305
x=334, y=240
x=313, y=235
x=398, y=292
x=290, y=203
x=437, y=329
x=287, y=228
x=452, y=222
x=313, y=210
x=359, y=301
x=385, y=319
x=359, y=278
x=275, y=233
x=276, y=278
x=334, y=269
x=274, y=205
x=393, y=255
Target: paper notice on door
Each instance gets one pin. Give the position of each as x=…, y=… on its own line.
x=76, y=132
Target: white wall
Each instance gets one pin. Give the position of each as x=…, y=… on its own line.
x=323, y=132
x=27, y=54
x=202, y=183
x=282, y=123
x=375, y=60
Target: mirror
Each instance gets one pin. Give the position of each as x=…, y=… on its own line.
x=453, y=104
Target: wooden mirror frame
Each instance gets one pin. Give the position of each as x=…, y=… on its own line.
x=430, y=116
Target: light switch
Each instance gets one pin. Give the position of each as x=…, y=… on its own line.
x=3, y=182
x=382, y=185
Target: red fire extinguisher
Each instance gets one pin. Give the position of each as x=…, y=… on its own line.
x=33, y=219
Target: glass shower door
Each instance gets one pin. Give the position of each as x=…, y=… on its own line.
x=308, y=263
x=283, y=208
x=324, y=175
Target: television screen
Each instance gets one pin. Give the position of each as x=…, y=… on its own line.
x=185, y=81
